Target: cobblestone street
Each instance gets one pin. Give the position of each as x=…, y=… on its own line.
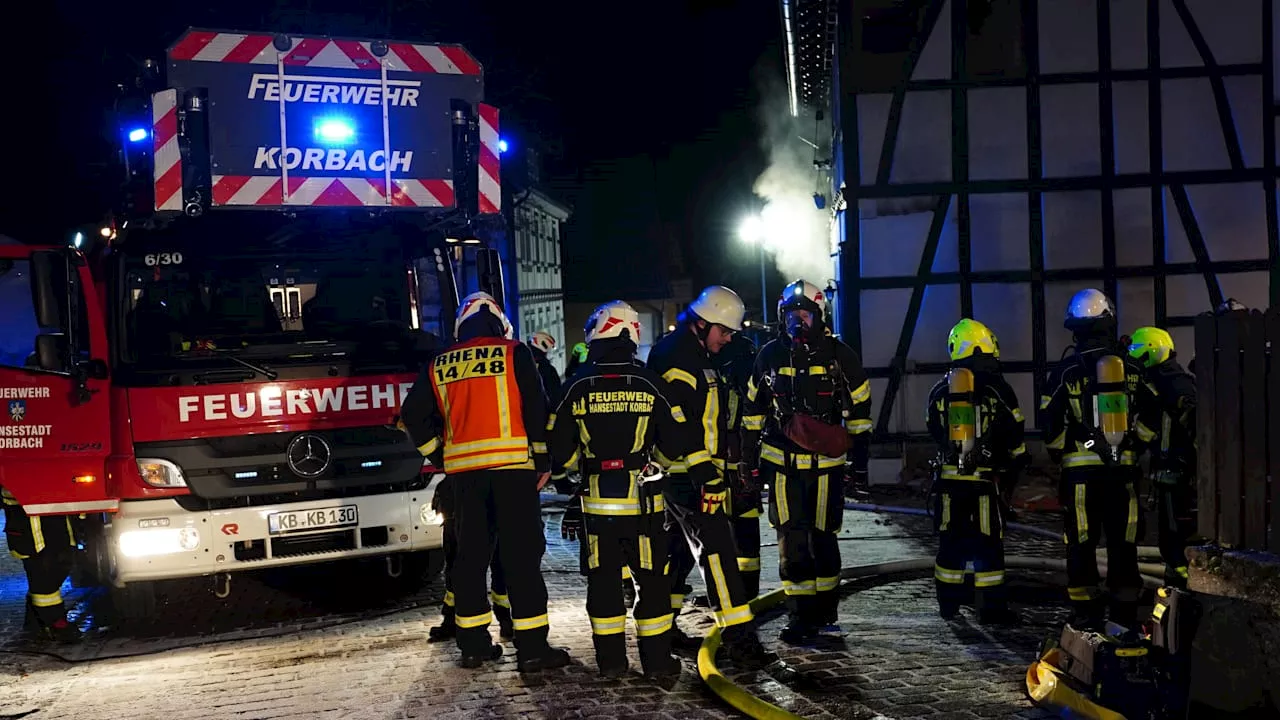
x=337, y=641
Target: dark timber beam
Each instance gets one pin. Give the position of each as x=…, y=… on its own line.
x=1155, y=162
x=983, y=277
x=1035, y=200
x=894, y=123
x=850, y=294
x=1229, y=135
x=1066, y=184
x=1198, y=248
x=1269, y=156
x=960, y=149
x=1106, y=136
x=913, y=312
x=1077, y=78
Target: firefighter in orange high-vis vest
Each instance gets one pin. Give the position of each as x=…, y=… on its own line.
x=478, y=411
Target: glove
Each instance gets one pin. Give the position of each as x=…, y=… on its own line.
x=571, y=525
x=714, y=496
x=748, y=478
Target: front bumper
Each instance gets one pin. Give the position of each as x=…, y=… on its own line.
x=158, y=540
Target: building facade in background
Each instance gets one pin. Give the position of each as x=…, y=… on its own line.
x=538, y=300
x=992, y=157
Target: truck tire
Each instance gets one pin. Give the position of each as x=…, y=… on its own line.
x=420, y=568
x=135, y=602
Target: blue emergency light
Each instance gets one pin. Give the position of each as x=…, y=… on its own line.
x=335, y=131
x=502, y=145
x=138, y=135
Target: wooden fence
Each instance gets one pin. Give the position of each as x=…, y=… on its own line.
x=1237, y=368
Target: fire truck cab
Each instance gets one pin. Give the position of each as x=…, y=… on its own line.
x=211, y=383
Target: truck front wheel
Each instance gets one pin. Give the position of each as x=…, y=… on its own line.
x=419, y=569
x=135, y=602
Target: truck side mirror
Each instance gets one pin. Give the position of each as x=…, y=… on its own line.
x=49, y=289
x=52, y=352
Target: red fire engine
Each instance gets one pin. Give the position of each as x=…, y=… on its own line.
x=212, y=383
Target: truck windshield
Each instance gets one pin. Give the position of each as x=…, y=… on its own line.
x=295, y=295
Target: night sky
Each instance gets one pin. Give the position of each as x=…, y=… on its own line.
x=651, y=108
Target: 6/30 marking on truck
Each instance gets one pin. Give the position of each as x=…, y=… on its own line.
x=316, y=519
x=164, y=258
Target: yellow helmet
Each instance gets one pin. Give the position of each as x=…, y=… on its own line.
x=968, y=336
x=1150, y=346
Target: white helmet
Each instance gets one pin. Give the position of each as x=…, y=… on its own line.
x=472, y=304
x=543, y=341
x=1088, y=305
x=611, y=320
x=802, y=295
x=721, y=306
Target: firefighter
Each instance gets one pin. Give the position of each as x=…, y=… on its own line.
x=1173, y=456
x=1097, y=421
x=611, y=416
x=735, y=362
x=697, y=506
x=478, y=412
x=974, y=416
x=808, y=418
x=541, y=344
x=46, y=547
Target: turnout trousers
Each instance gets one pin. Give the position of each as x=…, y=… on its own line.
x=638, y=542
x=806, y=508
x=46, y=546
x=970, y=526
x=445, y=505
x=1175, y=511
x=1100, y=500
x=745, y=509
x=709, y=541
x=499, y=508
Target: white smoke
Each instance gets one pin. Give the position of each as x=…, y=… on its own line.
x=796, y=232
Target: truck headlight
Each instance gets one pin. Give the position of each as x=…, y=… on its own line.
x=429, y=516
x=160, y=473
x=158, y=541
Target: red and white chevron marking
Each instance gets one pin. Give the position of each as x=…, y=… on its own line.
x=166, y=170
x=204, y=46
x=490, y=164
x=330, y=192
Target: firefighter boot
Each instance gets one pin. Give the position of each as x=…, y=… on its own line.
x=656, y=658
x=682, y=642
x=446, y=630
x=1087, y=615
x=798, y=632
x=745, y=650
x=51, y=623
x=471, y=662
x=549, y=659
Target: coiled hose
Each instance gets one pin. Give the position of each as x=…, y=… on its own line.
x=761, y=709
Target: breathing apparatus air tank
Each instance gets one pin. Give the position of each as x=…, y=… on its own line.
x=1111, y=402
x=962, y=416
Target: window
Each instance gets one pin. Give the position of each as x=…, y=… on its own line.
x=19, y=330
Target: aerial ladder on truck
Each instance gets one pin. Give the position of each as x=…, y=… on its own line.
x=216, y=374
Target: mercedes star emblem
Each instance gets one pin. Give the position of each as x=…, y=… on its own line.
x=308, y=456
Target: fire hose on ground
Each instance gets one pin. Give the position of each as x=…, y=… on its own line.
x=761, y=709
